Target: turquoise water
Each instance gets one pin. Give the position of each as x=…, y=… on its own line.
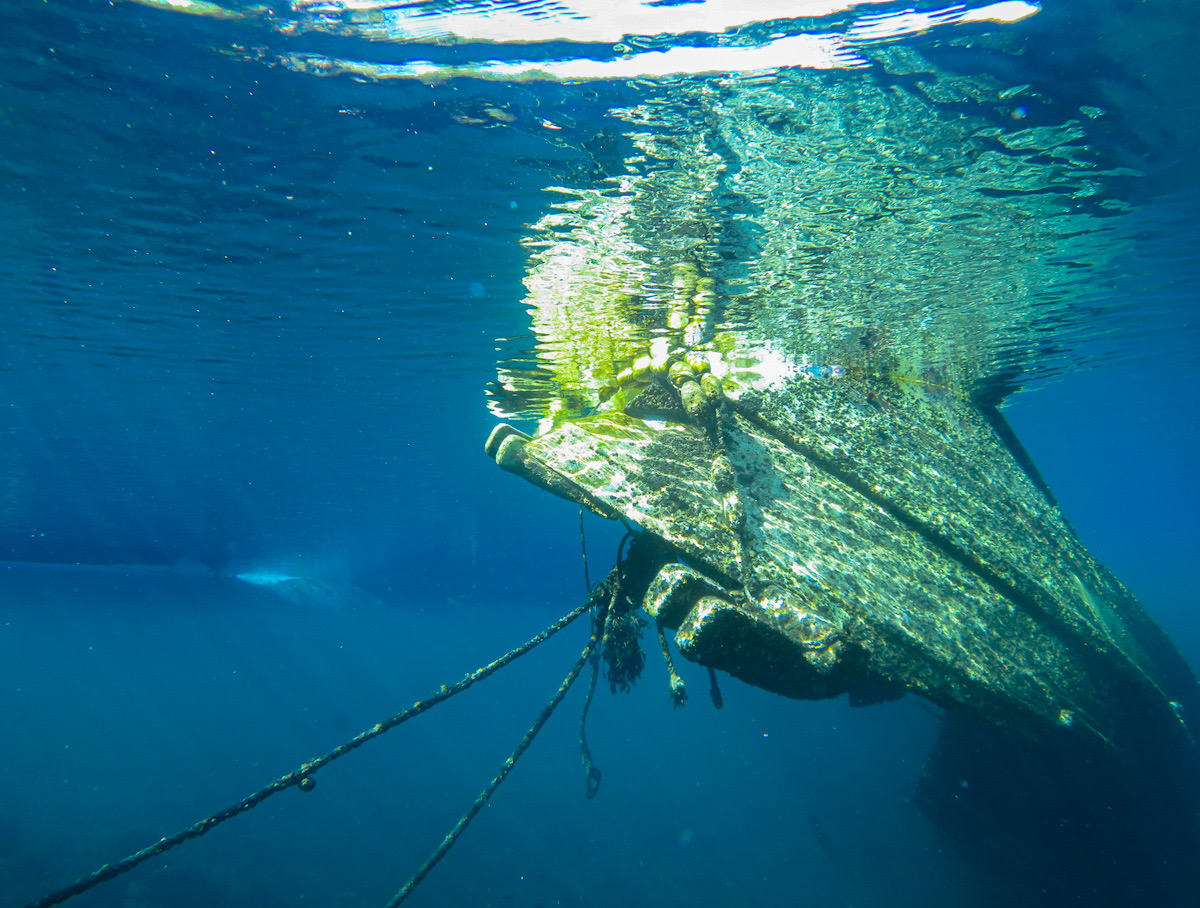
x=258, y=278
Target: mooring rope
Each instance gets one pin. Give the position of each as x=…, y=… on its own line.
x=505, y=769
x=678, y=691
x=590, y=772
x=302, y=777
x=587, y=580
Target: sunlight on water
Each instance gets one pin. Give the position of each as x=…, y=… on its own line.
x=908, y=220
x=855, y=224
x=581, y=21
x=641, y=34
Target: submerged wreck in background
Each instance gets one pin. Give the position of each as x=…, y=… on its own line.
x=776, y=346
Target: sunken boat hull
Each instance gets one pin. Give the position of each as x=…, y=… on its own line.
x=776, y=343
x=871, y=537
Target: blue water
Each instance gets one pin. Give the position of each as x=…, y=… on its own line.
x=248, y=319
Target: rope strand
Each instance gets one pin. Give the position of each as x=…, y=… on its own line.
x=678, y=693
x=448, y=842
x=587, y=580
x=591, y=773
x=301, y=777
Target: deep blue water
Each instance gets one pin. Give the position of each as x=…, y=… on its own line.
x=248, y=317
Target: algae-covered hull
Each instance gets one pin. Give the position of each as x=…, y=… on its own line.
x=871, y=537
x=777, y=346
x=863, y=535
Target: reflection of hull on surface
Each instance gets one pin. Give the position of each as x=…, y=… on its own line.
x=870, y=536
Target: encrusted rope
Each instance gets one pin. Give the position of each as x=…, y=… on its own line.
x=301, y=777
x=678, y=692
x=590, y=772
x=587, y=580
x=505, y=769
